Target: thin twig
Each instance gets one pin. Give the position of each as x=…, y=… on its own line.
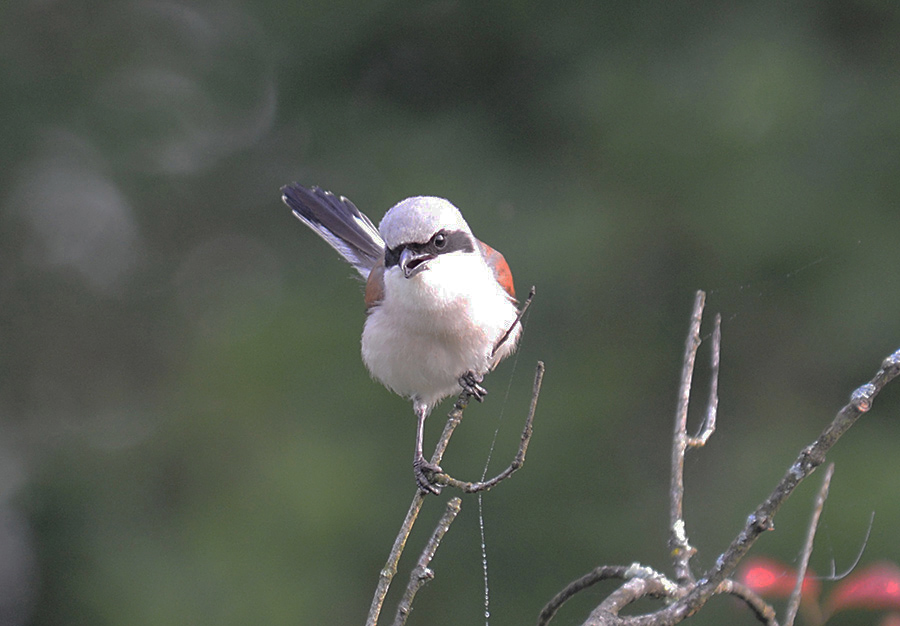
x=680, y=549
x=519, y=316
x=833, y=576
x=518, y=460
x=794, y=603
x=712, y=405
x=390, y=569
x=421, y=573
x=604, y=572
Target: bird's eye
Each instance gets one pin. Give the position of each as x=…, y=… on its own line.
x=440, y=240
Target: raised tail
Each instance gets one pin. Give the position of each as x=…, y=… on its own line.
x=339, y=222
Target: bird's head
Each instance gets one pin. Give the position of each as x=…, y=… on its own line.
x=419, y=230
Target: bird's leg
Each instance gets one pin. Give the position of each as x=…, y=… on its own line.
x=471, y=384
x=421, y=467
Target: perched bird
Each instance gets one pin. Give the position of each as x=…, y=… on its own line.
x=441, y=308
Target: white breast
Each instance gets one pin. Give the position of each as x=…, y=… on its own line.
x=433, y=328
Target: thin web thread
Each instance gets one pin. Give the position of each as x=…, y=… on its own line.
x=484, y=559
x=763, y=288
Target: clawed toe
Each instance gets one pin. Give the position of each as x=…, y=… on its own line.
x=425, y=473
x=471, y=385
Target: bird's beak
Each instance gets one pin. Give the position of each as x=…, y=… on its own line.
x=412, y=262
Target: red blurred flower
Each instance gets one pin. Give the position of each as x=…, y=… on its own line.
x=874, y=587
x=774, y=579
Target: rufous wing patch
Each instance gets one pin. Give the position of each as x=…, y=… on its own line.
x=500, y=267
x=375, y=285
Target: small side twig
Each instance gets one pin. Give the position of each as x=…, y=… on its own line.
x=421, y=573
x=518, y=319
x=518, y=460
x=794, y=603
x=834, y=575
x=712, y=404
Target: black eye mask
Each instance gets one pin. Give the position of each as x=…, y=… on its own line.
x=442, y=242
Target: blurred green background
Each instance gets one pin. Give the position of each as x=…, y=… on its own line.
x=187, y=433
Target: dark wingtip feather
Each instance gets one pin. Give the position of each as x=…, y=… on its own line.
x=339, y=218
x=300, y=199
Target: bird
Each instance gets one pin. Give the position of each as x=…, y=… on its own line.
x=441, y=309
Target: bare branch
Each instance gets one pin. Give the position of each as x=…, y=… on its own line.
x=635, y=589
x=518, y=460
x=687, y=594
x=390, y=568
x=680, y=548
x=421, y=574
x=453, y=419
x=604, y=572
x=794, y=602
x=807, y=461
x=655, y=585
x=762, y=518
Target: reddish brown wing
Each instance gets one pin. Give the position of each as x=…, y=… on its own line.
x=375, y=285
x=501, y=269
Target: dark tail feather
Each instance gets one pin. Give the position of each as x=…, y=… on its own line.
x=338, y=222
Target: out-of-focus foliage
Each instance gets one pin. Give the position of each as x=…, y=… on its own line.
x=187, y=434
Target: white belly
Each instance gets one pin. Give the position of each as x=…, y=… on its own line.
x=433, y=328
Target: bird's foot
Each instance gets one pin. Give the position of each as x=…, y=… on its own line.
x=471, y=385
x=425, y=473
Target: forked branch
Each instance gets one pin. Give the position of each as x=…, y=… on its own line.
x=421, y=574
x=688, y=594
x=517, y=462
x=679, y=546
